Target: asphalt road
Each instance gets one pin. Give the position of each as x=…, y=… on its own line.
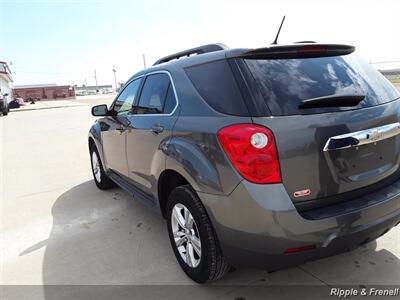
x=57, y=228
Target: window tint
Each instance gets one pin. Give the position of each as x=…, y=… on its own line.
x=215, y=83
x=125, y=100
x=284, y=83
x=170, y=101
x=153, y=94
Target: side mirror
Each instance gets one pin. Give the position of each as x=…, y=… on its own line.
x=100, y=110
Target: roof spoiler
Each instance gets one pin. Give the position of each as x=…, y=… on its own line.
x=198, y=50
x=298, y=51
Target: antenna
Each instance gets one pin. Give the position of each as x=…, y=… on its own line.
x=275, y=42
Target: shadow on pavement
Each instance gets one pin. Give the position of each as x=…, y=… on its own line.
x=98, y=237
x=107, y=238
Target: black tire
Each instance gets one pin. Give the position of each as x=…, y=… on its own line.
x=212, y=264
x=105, y=183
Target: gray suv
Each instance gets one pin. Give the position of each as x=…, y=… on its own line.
x=256, y=157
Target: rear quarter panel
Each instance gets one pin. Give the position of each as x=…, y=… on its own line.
x=194, y=150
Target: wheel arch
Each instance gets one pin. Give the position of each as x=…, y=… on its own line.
x=94, y=138
x=169, y=180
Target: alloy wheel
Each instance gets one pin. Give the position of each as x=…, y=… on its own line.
x=186, y=235
x=96, y=166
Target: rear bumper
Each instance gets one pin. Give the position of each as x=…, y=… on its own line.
x=256, y=224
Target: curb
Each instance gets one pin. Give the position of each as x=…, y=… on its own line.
x=30, y=109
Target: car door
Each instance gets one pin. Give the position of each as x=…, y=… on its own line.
x=149, y=128
x=114, y=129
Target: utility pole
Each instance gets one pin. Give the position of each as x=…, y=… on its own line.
x=95, y=78
x=115, y=77
x=10, y=64
x=144, y=61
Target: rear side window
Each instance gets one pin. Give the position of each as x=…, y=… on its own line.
x=154, y=93
x=284, y=83
x=215, y=83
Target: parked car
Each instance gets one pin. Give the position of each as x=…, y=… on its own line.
x=262, y=157
x=80, y=93
x=16, y=103
x=4, y=109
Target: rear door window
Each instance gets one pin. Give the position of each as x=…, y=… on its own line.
x=153, y=95
x=284, y=83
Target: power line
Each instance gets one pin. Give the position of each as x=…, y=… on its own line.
x=385, y=62
x=49, y=73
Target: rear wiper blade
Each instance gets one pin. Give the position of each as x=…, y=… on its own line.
x=332, y=101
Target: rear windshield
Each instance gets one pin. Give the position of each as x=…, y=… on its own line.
x=284, y=83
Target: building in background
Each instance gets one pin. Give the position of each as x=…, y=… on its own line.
x=6, y=81
x=393, y=74
x=44, y=91
x=93, y=89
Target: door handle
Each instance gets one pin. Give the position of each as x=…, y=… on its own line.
x=157, y=128
x=120, y=129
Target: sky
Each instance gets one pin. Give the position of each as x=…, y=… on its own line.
x=64, y=42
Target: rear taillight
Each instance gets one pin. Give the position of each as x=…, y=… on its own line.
x=252, y=151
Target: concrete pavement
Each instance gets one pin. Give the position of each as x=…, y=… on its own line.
x=58, y=228
x=46, y=105
x=78, y=101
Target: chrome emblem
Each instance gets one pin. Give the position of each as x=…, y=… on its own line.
x=302, y=193
x=374, y=135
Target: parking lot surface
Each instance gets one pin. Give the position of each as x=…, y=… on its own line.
x=57, y=228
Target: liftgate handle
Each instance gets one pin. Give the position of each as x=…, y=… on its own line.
x=363, y=137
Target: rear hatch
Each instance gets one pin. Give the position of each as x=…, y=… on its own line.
x=334, y=117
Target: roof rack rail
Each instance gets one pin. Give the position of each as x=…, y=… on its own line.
x=198, y=50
